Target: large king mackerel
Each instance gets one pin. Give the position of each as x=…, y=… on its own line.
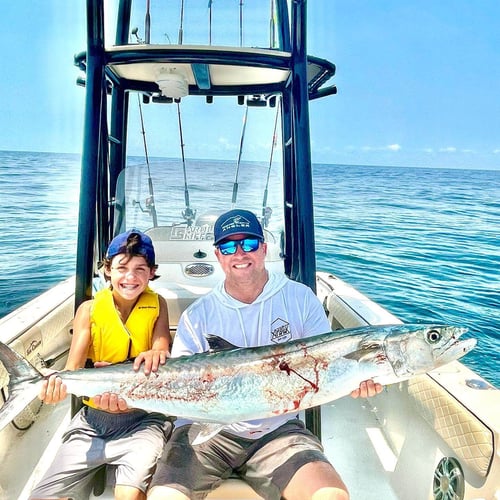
x=235, y=384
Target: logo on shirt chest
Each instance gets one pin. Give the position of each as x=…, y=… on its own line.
x=280, y=331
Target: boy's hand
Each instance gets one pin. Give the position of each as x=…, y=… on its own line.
x=53, y=390
x=152, y=359
x=110, y=402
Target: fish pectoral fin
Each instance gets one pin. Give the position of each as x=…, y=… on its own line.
x=365, y=353
x=206, y=432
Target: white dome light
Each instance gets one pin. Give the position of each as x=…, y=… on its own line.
x=173, y=84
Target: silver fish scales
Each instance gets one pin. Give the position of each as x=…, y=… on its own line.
x=235, y=384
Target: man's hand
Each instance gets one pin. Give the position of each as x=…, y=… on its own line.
x=151, y=359
x=367, y=389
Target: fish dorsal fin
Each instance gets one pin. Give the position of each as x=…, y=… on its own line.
x=207, y=431
x=217, y=343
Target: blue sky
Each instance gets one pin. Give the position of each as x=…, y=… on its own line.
x=418, y=80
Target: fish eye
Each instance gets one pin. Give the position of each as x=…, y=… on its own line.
x=433, y=336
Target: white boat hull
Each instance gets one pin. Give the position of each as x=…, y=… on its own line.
x=395, y=440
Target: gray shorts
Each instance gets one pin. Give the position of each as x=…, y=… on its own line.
x=267, y=464
x=129, y=444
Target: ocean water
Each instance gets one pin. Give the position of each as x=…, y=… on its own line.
x=424, y=243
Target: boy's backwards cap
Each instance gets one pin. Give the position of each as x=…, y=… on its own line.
x=237, y=221
x=119, y=245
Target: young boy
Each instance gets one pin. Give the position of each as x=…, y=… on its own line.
x=125, y=321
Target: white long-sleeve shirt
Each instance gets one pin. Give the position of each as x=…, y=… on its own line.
x=285, y=310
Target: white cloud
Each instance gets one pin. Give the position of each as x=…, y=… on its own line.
x=449, y=149
x=390, y=147
x=226, y=144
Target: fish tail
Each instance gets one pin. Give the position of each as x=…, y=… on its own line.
x=23, y=386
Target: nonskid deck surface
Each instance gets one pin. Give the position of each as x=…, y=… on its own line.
x=33, y=451
x=350, y=429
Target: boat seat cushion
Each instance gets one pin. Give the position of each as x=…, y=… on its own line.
x=465, y=434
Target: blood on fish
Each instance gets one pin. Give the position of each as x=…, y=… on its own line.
x=286, y=368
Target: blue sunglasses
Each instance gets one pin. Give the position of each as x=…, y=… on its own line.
x=247, y=245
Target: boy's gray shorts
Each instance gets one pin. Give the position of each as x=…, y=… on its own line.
x=129, y=443
x=267, y=464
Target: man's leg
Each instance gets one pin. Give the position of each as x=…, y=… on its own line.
x=316, y=481
x=165, y=493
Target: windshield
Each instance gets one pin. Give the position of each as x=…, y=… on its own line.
x=187, y=194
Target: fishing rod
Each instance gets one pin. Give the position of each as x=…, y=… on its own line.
x=209, y=22
x=235, y=184
x=272, y=27
x=266, y=211
x=241, y=23
x=147, y=23
x=181, y=29
x=188, y=213
x=150, y=202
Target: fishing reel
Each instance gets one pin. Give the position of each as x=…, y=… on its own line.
x=188, y=214
x=149, y=202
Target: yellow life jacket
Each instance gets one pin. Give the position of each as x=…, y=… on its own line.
x=113, y=341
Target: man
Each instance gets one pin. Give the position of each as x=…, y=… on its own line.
x=277, y=456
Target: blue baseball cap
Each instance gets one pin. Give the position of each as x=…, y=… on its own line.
x=237, y=221
x=143, y=247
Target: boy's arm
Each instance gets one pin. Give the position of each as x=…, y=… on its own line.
x=53, y=390
x=80, y=342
